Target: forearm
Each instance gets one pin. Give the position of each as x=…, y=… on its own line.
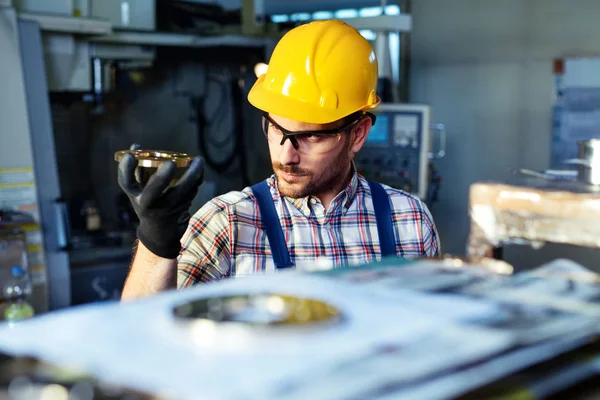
x=149, y=274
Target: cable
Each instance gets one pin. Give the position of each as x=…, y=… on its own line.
x=216, y=122
x=238, y=126
x=203, y=124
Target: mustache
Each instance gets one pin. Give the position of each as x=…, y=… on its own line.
x=290, y=169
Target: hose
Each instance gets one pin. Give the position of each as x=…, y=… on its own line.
x=216, y=121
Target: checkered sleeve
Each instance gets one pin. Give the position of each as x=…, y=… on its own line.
x=429, y=234
x=205, y=254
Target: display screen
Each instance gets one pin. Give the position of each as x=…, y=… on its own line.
x=379, y=132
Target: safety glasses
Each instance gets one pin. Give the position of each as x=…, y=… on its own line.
x=310, y=142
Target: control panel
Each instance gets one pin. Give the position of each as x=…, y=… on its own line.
x=396, y=149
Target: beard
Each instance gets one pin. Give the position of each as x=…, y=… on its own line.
x=312, y=183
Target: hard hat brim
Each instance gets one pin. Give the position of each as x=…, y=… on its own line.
x=288, y=107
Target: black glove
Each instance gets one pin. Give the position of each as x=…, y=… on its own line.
x=163, y=211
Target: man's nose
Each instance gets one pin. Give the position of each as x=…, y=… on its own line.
x=288, y=153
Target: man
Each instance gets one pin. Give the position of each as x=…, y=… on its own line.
x=316, y=211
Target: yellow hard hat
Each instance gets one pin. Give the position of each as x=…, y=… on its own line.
x=319, y=72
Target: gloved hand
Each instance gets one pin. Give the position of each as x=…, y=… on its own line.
x=163, y=211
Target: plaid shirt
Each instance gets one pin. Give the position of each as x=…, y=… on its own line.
x=226, y=238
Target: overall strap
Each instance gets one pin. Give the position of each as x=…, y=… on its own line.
x=270, y=220
x=383, y=215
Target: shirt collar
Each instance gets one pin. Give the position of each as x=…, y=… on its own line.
x=344, y=199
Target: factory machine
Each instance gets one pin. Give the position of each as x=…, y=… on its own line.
x=76, y=73
x=399, y=148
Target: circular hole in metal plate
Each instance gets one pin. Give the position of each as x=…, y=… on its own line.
x=260, y=310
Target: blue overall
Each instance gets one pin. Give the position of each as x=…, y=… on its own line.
x=281, y=257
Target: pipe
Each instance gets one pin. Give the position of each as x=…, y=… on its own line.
x=405, y=57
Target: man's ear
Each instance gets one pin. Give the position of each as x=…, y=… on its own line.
x=359, y=134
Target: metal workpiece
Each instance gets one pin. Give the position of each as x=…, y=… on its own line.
x=588, y=170
x=411, y=329
x=154, y=158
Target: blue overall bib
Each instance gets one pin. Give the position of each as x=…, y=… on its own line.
x=281, y=256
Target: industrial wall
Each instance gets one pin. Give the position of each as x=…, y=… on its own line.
x=15, y=145
x=486, y=68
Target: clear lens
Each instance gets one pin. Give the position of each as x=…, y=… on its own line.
x=304, y=143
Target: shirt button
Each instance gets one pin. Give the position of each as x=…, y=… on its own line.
x=313, y=201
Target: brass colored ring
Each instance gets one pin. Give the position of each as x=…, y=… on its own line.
x=153, y=158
